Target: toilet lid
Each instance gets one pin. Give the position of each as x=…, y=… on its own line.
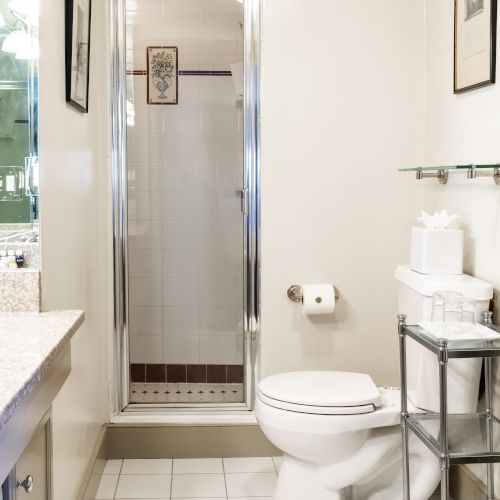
x=341, y=392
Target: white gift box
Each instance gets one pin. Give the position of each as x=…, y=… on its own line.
x=437, y=251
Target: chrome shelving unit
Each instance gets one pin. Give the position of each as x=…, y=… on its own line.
x=456, y=438
x=441, y=173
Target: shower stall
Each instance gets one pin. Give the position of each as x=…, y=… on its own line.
x=185, y=163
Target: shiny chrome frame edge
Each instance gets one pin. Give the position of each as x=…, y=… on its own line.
x=119, y=221
x=251, y=320
x=252, y=23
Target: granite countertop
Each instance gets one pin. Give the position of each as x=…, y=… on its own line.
x=29, y=345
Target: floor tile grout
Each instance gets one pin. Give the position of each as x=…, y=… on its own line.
x=251, y=469
x=225, y=481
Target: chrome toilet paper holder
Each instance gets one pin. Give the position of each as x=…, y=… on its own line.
x=295, y=293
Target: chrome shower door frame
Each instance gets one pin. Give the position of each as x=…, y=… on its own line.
x=251, y=241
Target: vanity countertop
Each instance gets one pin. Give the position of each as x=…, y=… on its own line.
x=29, y=345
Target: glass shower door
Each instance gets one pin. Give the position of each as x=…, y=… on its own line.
x=185, y=178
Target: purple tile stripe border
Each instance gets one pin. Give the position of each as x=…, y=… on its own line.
x=185, y=72
x=195, y=374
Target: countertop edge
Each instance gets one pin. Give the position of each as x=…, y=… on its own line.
x=39, y=371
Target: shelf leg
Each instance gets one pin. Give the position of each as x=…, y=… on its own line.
x=443, y=403
x=445, y=483
x=490, y=477
x=404, y=406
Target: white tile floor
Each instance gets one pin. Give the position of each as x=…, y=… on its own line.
x=189, y=479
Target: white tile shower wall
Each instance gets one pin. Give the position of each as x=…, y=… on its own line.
x=463, y=129
x=185, y=170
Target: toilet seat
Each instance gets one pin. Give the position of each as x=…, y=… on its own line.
x=321, y=392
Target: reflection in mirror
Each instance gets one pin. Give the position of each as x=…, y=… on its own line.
x=18, y=126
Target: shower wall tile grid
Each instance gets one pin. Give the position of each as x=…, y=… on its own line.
x=185, y=169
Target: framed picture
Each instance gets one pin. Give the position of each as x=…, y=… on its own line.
x=475, y=43
x=162, y=84
x=78, y=53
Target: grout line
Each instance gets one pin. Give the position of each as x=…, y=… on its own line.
x=171, y=476
x=116, y=485
x=225, y=482
x=274, y=464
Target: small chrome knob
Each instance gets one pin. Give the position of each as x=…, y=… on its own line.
x=26, y=483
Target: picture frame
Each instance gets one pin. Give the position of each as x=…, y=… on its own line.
x=474, y=44
x=162, y=75
x=78, y=24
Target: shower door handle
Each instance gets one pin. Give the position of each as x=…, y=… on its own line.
x=244, y=200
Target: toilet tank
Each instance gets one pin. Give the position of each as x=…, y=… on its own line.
x=415, y=300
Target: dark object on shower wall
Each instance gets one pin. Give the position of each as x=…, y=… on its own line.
x=78, y=14
x=475, y=44
x=162, y=72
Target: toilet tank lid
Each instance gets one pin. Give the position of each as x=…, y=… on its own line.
x=427, y=284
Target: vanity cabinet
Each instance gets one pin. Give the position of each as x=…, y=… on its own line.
x=31, y=477
x=33, y=468
x=35, y=354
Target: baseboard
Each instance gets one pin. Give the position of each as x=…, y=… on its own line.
x=95, y=467
x=464, y=485
x=188, y=442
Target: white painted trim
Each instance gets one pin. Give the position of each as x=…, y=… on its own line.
x=183, y=419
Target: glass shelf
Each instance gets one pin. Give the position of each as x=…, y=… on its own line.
x=457, y=348
x=467, y=436
x=449, y=167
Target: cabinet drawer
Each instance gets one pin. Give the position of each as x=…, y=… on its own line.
x=33, y=467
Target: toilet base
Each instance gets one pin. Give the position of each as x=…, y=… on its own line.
x=298, y=480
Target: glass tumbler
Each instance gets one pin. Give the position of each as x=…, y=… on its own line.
x=468, y=307
x=446, y=307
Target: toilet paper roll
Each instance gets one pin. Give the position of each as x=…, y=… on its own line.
x=318, y=299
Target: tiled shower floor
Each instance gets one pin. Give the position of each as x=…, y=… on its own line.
x=189, y=479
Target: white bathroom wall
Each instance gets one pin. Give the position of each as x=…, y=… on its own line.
x=185, y=173
x=342, y=110
x=75, y=238
x=462, y=129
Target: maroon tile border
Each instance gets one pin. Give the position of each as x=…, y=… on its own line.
x=156, y=373
x=184, y=72
x=176, y=373
x=235, y=374
x=138, y=372
x=216, y=374
x=196, y=374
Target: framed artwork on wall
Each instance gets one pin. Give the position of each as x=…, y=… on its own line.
x=162, y=69
x=78, y=53
x=475, y=44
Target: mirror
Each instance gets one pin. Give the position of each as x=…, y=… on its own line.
x=19, y=125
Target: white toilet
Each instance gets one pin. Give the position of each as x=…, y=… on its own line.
x=340, y=434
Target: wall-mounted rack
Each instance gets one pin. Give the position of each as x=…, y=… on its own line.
x=441, y=172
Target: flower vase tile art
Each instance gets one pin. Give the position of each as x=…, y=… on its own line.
x=162, y=85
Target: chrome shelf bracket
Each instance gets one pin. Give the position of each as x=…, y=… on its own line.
x=441, y=175
x=473, y=172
